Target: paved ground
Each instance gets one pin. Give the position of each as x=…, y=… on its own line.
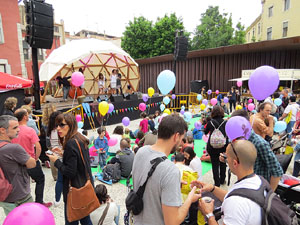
x=117, y=191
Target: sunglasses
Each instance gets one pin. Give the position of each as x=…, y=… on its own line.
x=61, y=125
x=234, y=151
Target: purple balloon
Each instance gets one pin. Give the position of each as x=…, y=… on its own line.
x=209, y=92
x=197, y=125
x=204, y=101
x=126, y=121
x=145, y=97
x=226, y=100
x=173, y=96
x=30, y=213
x=111, y=108
x=238, y=126
x=182, y=111
x=263, y=82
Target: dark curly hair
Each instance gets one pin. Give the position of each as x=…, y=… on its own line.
x=119, y=130
x=101, y=193
x=217, y=111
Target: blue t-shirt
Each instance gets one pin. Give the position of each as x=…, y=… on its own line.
x=151, y=124
x=101, y=143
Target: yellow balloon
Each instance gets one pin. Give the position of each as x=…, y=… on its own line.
x=103, y=108
x=167, y=111
x=238, y=107
x=150, y=91
x=202, y=106
x=280, y=88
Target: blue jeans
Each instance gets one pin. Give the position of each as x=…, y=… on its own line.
x=84, y=221
x=102, y=160
x=66, y=92
x=58, y=186
x=289, y=128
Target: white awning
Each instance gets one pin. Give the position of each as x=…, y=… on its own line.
x=236, y=79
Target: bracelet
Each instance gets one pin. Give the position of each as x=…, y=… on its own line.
x=213, y=189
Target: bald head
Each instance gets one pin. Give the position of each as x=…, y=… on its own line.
x=20, y=114
x=246, y=152
x=124, y=143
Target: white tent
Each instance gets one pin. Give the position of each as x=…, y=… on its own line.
x=93, y=56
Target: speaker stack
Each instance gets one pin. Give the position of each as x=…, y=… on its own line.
x=116, y=98
x=181, y=48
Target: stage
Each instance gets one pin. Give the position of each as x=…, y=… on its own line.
x=129, y=108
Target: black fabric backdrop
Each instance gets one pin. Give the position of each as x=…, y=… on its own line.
x=116, y=117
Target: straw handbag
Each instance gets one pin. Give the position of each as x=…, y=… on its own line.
x=81, y=201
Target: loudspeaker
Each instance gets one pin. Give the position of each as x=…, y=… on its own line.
x=39, y=19
x=181, y=48
x=88, y=99
x=102, y=98
x=196, y=85
x=116, y=98
x=134, y=96
x=126, y=96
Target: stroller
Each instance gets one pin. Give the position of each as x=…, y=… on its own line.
x=278, y=146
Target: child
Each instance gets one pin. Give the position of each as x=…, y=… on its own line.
x=139, y=136
x=156, y=119
x=101, y=83
x=127, y=133
x=144, y=123
x=101, y=144
x=189, y=142
x=151, y=122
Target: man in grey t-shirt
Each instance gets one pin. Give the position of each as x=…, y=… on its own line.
x=13, y=161
x=162, y=196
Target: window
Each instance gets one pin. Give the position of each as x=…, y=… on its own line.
x=286, y=5
x=271, y=11
x=26, y=49
x=2, y=68
x=40, y=54
x=258, y=29
x=1, y=31
x=269, y=33
x=285, y=29
x=253, y=32
x=56, y=29
x=248, y=36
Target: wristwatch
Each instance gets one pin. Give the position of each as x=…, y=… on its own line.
x=209, y=215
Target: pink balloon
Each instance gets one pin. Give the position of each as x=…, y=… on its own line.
x=93, y=151
x=217, y=92
x=77, y=79
x=30, y=213
x=213, y=101
x=78, y=118
x=239, y=83
x=112, y=141
x=251, y=107
x=250, y=100
x=142, y=106
x=205, y=138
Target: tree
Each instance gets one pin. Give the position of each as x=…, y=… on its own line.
x=216, y=30
x=138, y=38
x=239, y=35
x=164, y=34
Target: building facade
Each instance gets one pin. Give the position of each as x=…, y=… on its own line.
x=278, y=19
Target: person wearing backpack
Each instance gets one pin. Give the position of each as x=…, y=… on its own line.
x=217, y=143
x=14, y=162
x=250, y=200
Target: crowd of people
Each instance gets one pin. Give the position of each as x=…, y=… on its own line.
x=24, y=150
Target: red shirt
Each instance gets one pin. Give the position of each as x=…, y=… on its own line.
x=144, y=125
x=27, y=138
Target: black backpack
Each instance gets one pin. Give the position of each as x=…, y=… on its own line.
x=112, y=172
x=274, y=211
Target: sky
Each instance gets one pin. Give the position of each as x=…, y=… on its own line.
x=112, y=16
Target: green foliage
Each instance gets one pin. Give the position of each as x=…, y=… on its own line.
x=216, y=30
x=138, y=38
x=143, y=40
x=164, y=34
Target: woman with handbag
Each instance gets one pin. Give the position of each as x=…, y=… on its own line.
x=78, y=187
x=108, y=213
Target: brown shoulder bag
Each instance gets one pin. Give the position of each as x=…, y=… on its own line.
x=81, y=201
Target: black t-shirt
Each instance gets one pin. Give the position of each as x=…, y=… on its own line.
x=64, y=81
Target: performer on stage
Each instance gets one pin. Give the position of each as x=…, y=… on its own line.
x=113, y=81
x=101, y=83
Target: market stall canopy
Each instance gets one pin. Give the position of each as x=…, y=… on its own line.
x=11, y=82
x=93, y=56
x=284, y=74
